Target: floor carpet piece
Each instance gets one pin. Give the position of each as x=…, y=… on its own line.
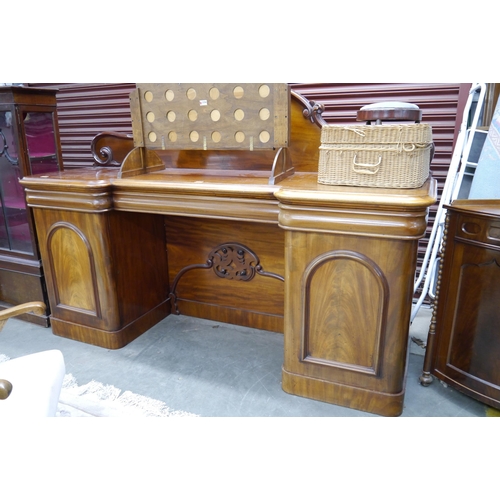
x=99, y=400
x=95, y=399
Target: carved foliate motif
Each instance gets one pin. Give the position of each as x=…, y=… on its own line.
x=230, y=261
x=234, y=261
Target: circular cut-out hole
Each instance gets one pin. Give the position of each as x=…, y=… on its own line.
x=194, y=136
x=239, y=136
x=239, y=114
x=264, y=91
x=264, y=114
x=152, y=136
x=172, y=136
x=214, y=93
x=471, y=228
x=192, y=115
x=171, y=116
x=150, y=117
x=264, y=136
x=191, y=93
x=215, y=115
x=148, y=95
x=169, y=95
x=238, y=92
x=216, y=136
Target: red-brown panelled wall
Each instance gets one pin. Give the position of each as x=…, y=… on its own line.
x=85, y=109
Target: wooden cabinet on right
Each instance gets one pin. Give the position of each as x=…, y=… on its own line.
x=464, y=338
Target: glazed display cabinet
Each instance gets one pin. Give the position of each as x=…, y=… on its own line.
x=29, y=144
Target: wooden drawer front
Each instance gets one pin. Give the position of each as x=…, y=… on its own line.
x=479, y=229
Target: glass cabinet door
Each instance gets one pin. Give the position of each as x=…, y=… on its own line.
x=14, y=228
x=41, y=144
x=29, y=145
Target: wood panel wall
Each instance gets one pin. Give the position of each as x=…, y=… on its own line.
x=84, y=110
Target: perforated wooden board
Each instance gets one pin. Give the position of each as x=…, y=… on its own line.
x=211, y=115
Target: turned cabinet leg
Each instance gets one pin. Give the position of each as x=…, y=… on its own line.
x=426, y=377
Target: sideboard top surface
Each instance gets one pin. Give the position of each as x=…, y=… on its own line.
x=300, y=188
x=489, y=208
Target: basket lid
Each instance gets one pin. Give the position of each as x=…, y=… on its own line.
x=390, y=111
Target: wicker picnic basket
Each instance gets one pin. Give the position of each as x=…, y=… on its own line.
x=385, y=155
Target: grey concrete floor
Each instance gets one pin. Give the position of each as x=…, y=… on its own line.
x=218, y=370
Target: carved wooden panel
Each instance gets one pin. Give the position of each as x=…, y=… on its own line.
x=475, y=355
x=345, y=307
x=257, y=303
x=73, y=269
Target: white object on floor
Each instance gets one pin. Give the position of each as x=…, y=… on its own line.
x=96, y=399
x=36, y=384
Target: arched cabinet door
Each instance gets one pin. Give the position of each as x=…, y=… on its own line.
x=79, y=267
x=345, y=297
x=73, y=270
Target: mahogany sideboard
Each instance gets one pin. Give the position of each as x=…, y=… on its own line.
x=330, y=267
x=463, y=347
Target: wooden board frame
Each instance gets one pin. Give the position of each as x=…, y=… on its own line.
x=211, y=116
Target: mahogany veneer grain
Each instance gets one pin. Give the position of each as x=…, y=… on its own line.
x=350, y=256
x=464, y=343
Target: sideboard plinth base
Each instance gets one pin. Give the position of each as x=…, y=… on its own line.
x=387, y=405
